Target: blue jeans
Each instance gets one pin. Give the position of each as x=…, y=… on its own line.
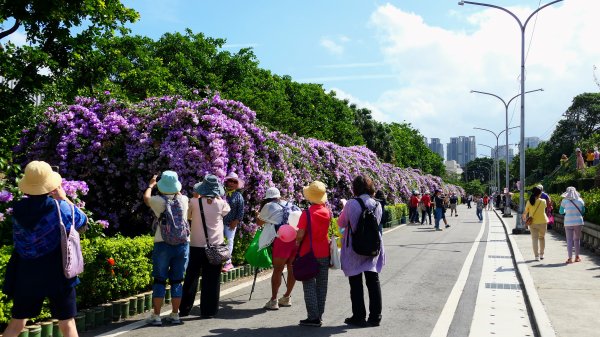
x=230, y=235
x=439, y=213
x=168, y=262
x=479, y=215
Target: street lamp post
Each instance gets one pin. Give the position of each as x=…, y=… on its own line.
x=496, y=151
x=492, y=166
x=507, y=210
x=520, y=228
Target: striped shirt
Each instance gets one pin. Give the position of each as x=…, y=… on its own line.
x=572, y=215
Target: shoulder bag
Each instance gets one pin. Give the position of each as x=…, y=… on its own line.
x=306, y=267
x=529, y=219
x=574, y=204
x=216, y=254
x=70, y=244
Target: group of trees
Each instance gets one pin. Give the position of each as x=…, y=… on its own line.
x=82, y=48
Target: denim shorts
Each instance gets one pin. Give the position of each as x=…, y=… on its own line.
x=169, y=262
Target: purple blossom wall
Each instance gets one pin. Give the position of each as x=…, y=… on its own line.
x=115, y=148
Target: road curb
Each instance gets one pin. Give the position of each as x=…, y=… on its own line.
x=539, y=317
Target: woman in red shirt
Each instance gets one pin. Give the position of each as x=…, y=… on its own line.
x=315, y=289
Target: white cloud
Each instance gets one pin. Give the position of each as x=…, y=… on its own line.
x=376, y=113
x=335, y=45
x=437, y=67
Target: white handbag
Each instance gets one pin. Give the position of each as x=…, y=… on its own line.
x=334, y=254
x=267, y=236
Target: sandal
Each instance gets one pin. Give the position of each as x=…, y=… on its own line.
x=577, y=259
x=569, y=260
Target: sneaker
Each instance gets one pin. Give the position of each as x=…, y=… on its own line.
x=355, y=321
x=447, y=226
x=173, y=318
x=439, y=229
x=272, y=305
x=537, y=258
x=285, y=301
x=456, y=215
x=541, y=256
x=154, y=320
x=227, y=267
x=311, y=322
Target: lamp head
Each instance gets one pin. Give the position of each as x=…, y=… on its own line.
x=461, y=3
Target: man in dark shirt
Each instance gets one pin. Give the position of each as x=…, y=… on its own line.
x=453, y=203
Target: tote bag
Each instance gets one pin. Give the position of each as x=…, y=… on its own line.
x=70, y=244
x=306, y=267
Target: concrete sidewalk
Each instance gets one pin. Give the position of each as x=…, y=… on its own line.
x=564, y=298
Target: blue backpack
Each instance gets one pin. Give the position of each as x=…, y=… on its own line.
x=174, y=227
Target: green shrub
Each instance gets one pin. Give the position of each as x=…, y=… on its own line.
x=114, y=268
x=5, y=304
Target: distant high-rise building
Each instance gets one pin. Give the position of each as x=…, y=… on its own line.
x=437, y=147
x=502, y=153
x=462, y=149
x=532, y=142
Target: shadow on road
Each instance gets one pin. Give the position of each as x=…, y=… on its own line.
x=550, y=265
x=287, y=331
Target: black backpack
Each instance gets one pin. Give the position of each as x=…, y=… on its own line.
x=365, y=239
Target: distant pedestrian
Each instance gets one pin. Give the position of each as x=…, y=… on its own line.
x=596, y=156
x=549, y=209
x=207, y=210
x=426, y=202
x=453, y=200
x=589, y=158
x=564, y=160
x=490, y=204
x=232, y=220
x=535, y=209
x=580, y=161
x=413, y=204
x=168, y=260
x=315, y=289
x=486, y=199
x=573, y=207
x=354, y=265
x=479, y=207
x=438, y=201
x=469, y=200
x=380, y=197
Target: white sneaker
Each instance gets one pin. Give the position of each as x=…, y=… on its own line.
x=271, y=305
x=173, y=318
x=154, y=320
x=285, y=301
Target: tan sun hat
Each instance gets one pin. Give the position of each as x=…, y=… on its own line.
x=315, y=192
x=39, y=179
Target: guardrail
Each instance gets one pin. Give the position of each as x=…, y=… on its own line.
x=590, y=234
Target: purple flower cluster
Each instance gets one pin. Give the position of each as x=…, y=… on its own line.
x=5, y=196
x=117, y=148
x=74, y=188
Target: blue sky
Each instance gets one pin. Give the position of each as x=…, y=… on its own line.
x=409, y=60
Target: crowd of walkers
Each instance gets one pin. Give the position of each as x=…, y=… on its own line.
x=195, y=236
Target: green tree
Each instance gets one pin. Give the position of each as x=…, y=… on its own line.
x=411, y=151
x=58, y=34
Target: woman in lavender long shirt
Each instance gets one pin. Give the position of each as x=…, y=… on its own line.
x=354, y=265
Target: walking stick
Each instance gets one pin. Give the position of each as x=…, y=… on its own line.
x=253, y=283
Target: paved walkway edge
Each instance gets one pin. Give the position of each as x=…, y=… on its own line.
x=540, y=320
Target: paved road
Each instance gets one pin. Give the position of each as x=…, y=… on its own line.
x=424, y=291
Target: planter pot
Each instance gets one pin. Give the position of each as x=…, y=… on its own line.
x=140, y=303
x=55, y=329
x=148, y=301
x=34, y=330
x=403, y=220
x=116, y=311
x=222, y=278
x=24, y=333
x=46, y=328
x=80, y=322
x=168, y=294
x=132, y=306
x=99, y=316
x=108, y=312
x=90, y=319
x=124, y=308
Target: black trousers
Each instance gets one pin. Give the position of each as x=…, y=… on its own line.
x=357, y=297
x=211, y=286
x=426, y=211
